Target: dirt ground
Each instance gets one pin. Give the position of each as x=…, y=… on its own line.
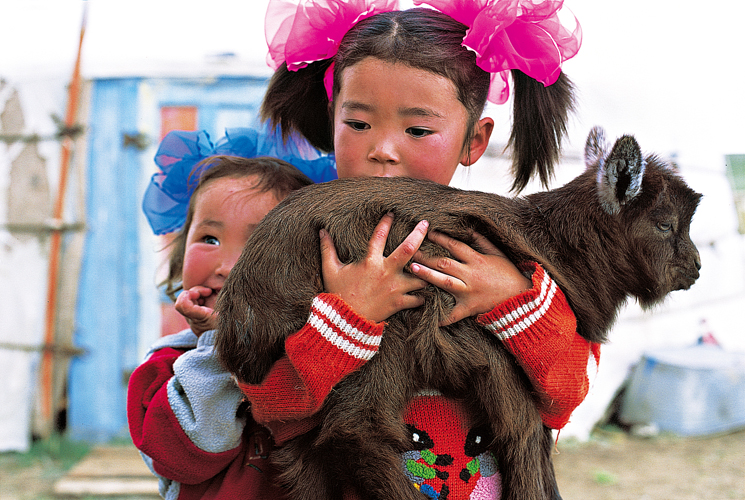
x=615, y=466
x=611, y=466
x=31, y=475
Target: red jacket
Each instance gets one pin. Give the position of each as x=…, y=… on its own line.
x=187, y=416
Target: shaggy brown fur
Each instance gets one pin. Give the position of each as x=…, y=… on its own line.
x=618, y=230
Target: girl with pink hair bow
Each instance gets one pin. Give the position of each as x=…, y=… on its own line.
x=401, y=93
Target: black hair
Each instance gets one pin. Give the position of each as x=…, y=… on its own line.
x=429, y=40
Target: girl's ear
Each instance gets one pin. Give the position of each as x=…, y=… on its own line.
x=479, y=142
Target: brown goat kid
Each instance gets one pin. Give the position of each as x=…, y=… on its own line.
x=619, y=230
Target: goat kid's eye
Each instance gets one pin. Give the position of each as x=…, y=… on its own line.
x=665, y=227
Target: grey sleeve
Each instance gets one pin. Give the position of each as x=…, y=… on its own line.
x=205, y=398
x=168, y=489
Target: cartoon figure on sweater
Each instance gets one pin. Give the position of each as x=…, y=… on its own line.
x=186, y=414
x=472, y=474
x=401, y=93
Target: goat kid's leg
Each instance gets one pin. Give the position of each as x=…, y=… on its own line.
x=365, y=430
x=303, y=470
x=379, y=474
x=557, y=495
x=522, y=449
x=369, y=463
x=527, y=470
x=333, y=469
x=548, y=464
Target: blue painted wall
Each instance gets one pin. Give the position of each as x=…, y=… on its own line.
x=109, y=306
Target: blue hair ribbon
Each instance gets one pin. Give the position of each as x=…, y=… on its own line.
x=167, y=196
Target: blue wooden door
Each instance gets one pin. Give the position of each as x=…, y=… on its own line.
x=118, y=315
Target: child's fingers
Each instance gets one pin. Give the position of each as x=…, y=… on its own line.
x=442, y=280
x=194, y=293
x=444, y=272
x=192, y=311
x=410, y=302
x=380, y=235
x=184, y=300
x=201, y=291
x=486, y=246
x=456, y=314
x=406, y=250
x=445, y=282
x=328, y=250
x=187, y=303
x=410, y=282
x=459, y=250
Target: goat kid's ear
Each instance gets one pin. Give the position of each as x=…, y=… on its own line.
x=620, y=175
x=596, y=147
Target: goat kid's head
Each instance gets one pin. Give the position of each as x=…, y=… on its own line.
x=655, y=206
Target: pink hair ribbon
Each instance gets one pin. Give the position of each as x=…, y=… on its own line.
x=311, y=30
x=514, y=34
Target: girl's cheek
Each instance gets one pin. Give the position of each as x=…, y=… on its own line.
x=345, y=163
x=193, y=262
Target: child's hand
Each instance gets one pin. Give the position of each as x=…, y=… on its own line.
x=200, y=318
x=376, y=287
x=479, y=282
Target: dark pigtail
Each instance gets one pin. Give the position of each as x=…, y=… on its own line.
x=539, y=122
x=297, y=102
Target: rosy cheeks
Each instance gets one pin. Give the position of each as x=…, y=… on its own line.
x=397, y=154
x=386, y=150
x=201, y=261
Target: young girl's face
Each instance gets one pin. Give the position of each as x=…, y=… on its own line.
x=395, y=120
x=226, y=212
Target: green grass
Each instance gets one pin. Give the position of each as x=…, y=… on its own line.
x=30, y=475
x=604, y=478
x=57, y=449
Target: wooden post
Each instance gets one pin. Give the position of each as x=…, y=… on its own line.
x=47, y=361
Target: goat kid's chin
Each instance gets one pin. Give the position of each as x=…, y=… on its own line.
x=685, y=279
x=676, y=279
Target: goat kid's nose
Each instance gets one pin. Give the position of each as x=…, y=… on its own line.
x=696, y=255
